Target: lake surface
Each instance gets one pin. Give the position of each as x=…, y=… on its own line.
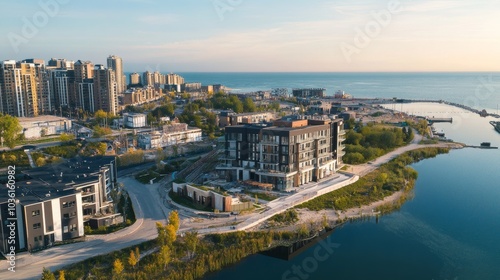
x=477, y=90
x=449, y=230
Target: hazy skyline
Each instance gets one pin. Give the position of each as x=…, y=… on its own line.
x=244, y=35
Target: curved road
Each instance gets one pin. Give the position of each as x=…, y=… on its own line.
x=148, y=209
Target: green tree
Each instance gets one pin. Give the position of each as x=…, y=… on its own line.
x=249, y=105
x=47, y=274
x=150, y=119
x=137, y=253
x=236, y=104
x=166, y=234
x=191, y=240
x=66, y=137
x=101, y=148
x=382, y=178
x=101, y=117
x=163, y=256
x=173, y=219
x=101, y=131
x=9, y=129
x=275, y=106
x=40, y=161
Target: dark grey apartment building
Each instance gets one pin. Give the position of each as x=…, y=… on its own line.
x=309, y=92
x=289, y=153
x=53, y=203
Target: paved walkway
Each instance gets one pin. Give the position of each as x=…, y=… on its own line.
x=149, y=207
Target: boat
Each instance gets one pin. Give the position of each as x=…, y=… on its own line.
x=496, y=125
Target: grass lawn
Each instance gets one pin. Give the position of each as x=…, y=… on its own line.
x=385, y=181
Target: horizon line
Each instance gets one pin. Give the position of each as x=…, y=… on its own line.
x=325, y=72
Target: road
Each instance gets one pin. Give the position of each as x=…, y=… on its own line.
x=148, y=209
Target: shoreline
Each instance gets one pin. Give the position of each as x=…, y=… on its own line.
x=336, y=217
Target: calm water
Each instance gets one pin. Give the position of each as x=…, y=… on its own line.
x=450, y=230
x=479, y=90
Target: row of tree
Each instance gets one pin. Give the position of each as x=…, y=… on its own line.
x=364, y=143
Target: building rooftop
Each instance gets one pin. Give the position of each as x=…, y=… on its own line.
x=57, y=180
x=44, y=118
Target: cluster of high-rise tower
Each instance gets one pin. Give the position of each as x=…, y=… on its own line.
x=30, y=87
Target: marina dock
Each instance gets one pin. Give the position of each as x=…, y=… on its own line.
x=440, y=120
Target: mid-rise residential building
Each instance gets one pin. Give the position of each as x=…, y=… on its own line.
x=147, y=78
x=309, y=92
x=18, y=89
x=137, y=96
x=153, y=79
x=207, y=89
x=174, y=79
x=291, y=152
x=259, y=95
x=54, y=203
x=320, y=108
x=191, y=87
x=228, y=118
x=60, y=63
x=172, y=134
x=135, y=79
x=219, y=88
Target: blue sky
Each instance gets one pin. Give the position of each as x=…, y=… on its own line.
x=255, y=35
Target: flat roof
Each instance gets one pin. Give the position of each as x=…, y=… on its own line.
x=50, y=181
x=43, y=118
